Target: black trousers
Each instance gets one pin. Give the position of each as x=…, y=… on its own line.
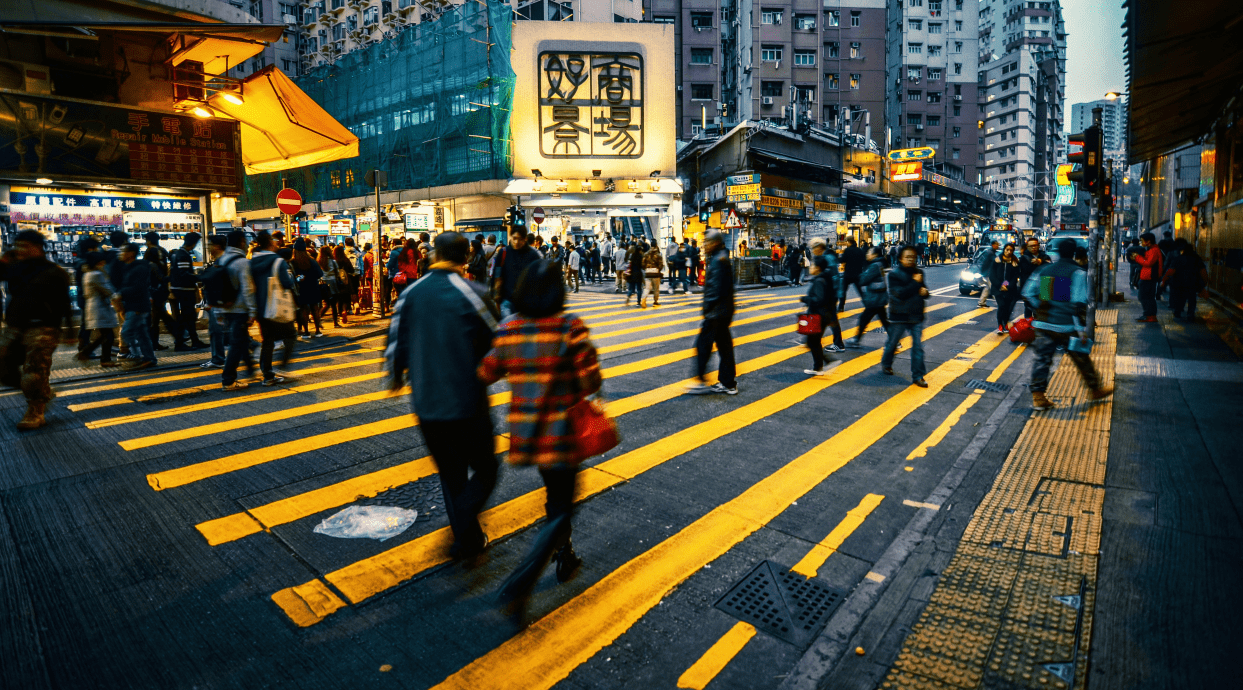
x=559, y=486
x=1006, y=299
x=270, y=332
x=458, y=446
x=159, y=312
x=716, y=332
x=183, y=302
x=866, y=317
x=102, y=338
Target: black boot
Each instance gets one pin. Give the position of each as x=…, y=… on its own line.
x=567, y=562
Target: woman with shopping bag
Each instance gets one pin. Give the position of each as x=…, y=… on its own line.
x=552, y=368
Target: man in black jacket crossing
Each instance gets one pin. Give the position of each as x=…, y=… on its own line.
x=184, y=288
x=906, y=314
x=718, y=312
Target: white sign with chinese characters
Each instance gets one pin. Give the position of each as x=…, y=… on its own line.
x=593, y=101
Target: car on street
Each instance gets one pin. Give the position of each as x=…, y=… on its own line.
x=969, y=279
x=1081, y=242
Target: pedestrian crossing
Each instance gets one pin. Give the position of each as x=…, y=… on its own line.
x=153, y=415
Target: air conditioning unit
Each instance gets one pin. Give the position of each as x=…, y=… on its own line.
x=289, y=19
x=958, y=97
x=919, y=128
x=24, y=76
x=766, y=100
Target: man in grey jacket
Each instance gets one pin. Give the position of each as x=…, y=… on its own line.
x=239, y=314
x=441, y=329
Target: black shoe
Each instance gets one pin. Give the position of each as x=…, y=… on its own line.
x=887, y=371
x=180, y=347
x=158, y=347
x=567, y=562
x=198, y=344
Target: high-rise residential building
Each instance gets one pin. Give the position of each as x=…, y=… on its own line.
x=1022, y=91
x=933, y=97
x=284, y=54
x=332, y=28
x=1113, y=124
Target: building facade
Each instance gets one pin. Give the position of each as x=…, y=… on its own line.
x=1113, y=124
x=1022, y=92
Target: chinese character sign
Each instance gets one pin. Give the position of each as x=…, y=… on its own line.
x=590, y=105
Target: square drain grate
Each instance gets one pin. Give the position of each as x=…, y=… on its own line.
x=783, y=604
x=988, y=385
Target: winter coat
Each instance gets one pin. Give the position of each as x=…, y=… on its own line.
x=309, y=291
x=97, y=295
x=261, y=269
x=136, y=287
x=38, y=292
x=820, y=298
x=872, y=283
x=1003, y=272
x=719, y=288
x=906, y=304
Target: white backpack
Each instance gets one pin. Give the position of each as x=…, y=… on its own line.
x=280, y=305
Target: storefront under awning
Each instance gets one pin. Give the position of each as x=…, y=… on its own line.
x=283, y=128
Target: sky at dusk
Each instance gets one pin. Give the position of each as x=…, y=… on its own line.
x=1094, y=63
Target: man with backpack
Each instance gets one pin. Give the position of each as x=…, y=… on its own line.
x=230, y=290
x=216, y=334
x=184, y=287
x=264, y=263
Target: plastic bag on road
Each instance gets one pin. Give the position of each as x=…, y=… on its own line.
x=367, y=522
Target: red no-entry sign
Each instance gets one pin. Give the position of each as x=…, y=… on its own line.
x=537, y=215
x=289, y=201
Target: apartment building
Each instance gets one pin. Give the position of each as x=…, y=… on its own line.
x=1022, y=92
x=332, y=28
x=933, y=63
x=1113, y=124
x=286, y=53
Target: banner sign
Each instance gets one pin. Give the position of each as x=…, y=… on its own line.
x=1065, y=195
x=87, y=141
x=905, y=172
x=734, y=180
x=746, y=192
x=344, y=226
x=85, y=207
x=916, y=154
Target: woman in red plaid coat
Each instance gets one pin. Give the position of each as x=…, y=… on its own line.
x=551, y=364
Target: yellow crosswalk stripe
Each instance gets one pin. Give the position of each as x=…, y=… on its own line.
x=725, y=649
x=674, y=322
x=810, y=564
x=664, y=310
x=240, y=525
x=547, y=652
x=607, y=349
x=717, y=657
x=359, y=581
x=943, y=429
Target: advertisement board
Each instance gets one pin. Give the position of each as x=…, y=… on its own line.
x=341, y=226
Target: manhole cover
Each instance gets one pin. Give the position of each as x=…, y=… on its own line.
x=783, y=604
x=988, y=385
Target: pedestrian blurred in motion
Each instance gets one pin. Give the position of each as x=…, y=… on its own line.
x=573, y=265
x=135, y=298
x=1186, y=277
x=718, y=313
x=1058, y=293
x=906, y=314
x=1005, y=279
x=509, y=263
x=875, y=292
x=852, y=264
x=551, y=365
x=818, y=299
x=832, y=278
x=652, y=262
x=98, y=316
x=38, y=303
x=441, y=329
x=264, y=263
x=1031, y=260
x=477, y=262
x=984, y=266
x=619, y=267
x=238, y=308
x=634, y=274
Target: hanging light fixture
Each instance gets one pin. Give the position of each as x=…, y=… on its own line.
x=201, y=111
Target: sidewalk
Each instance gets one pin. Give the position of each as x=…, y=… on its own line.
x=66, y=367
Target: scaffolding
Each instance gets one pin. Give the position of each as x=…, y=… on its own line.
x=430, y=106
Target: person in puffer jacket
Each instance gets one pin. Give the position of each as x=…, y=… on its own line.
x=907, y=294
x=875, y=291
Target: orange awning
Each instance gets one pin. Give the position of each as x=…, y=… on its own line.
x=283, y=128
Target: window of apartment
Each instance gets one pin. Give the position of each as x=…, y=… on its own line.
x=701, y=56
x=914, y=49
x=916, y=24
x=914, y=95
x=1013, y=168
x=831, y=50
x=805, y=94
x=957, y=110
x=1004, y=136
x=917, y=3
x=805, y=58
x=934, y=73
x=934, y=51
x=371, y=15
x=288, y=8
x=956, y=154
x=702, y=92
x=958, y=5
x=701, y=20
x=312, y=44
x=770, y=53
x=830, y=82
x=914, y=142
x=934, y=120
x=664, y=19
x=914, y=119
x=805, y=22
x=980, y=156
x=287, y=66
x=957, y=47
x=856, y=51
x=338, y=32
x=833, y=18
x=773, y=89
x=351, y=23
x=934, y=27
x=856, y=18
x=957, y=132
x=770, y=16
x=934, y=8
x=855, y=80
x=914, y=73
x=957, y=68
x=958, y=25
x=256, y=64
x=933, y=144
x=934, y=96
x=337, y=4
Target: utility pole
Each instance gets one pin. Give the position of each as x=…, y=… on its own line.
x=377, y=179
x=1094, y=231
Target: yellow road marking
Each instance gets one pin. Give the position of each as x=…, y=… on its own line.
x=810, y=564
x=545, y=653
x=718, y=655
x=689, y=332
x=240, y=525
x=363, y=579
x=621, y=308
x=197, y=374
x=917, y=504
x=874, y=577
x=665, y=312
x=690, y=319
x=954, y=417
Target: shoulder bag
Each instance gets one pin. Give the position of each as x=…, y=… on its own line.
x=593, y=431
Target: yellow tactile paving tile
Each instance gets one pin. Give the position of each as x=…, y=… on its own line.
x=1034, y=536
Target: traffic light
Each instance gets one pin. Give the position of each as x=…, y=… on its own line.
x=703, y=216
x=515, y=217
x=1088, y=157
x=1105, y=204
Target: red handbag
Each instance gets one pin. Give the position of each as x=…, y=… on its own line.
x=594, y=431
x=1021, y=331
x=809, y=324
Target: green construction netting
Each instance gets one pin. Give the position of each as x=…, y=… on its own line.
x=430, y=107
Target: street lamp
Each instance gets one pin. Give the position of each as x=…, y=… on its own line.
x=1113, y=95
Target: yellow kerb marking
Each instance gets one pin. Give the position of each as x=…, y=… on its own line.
x=874, y=577
x=810, y=564
x=917, y=504
x=718, y=655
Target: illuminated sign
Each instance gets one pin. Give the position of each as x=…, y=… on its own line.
x=417, y=221
x=744, y=192
x=1065, y=194
x=916, y=154
x=1063, y=171
x=734, y=180
x=904, y=172
x=591, y=104
x=342, y=226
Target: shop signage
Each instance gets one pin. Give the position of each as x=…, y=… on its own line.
x=418, y=221
x=893, y=215
x=745, y=206
x=1208, y=169
x=1063, y=173
x=86, y=141
x=912, y=201
x=318, y=227
x=591, y=104
x=84, y=207
x=736, y=180
x=830, y=206
x=863, y=217
x=905, y=172
x=343, y=226
x=746, y=192
x=1065, y=194
x=915, y=154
